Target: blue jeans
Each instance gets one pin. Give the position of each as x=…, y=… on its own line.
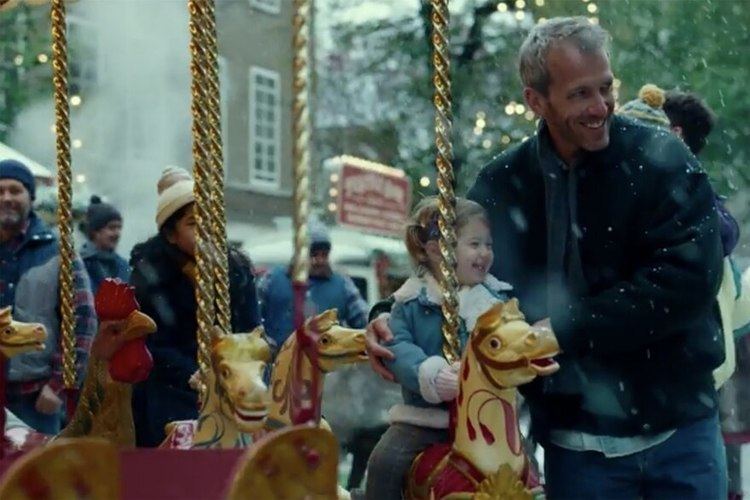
x=691, y=464
x=392, y=457
x=23, y=407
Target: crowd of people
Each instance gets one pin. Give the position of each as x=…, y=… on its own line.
x=604, y=226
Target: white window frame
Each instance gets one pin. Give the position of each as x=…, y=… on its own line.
x=255, y=181
x=264, y=6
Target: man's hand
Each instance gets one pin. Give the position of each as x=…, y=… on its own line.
x=48, y=402
x=377, y=332
x=446, y=382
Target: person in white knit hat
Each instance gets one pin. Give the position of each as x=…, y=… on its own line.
x=163, y=277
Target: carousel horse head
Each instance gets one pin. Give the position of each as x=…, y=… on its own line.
x=17, y=338
x=238, y=362
x=336, y=346
x=509, y=351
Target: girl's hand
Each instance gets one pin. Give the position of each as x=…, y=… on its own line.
x=446, y=382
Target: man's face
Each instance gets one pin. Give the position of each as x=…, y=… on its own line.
x=319, y=264
x=579, y=100
x=15, y=204
x=107, y=237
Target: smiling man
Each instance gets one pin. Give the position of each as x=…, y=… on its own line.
x=29, y=270
x=103, y=227
x=607, y=230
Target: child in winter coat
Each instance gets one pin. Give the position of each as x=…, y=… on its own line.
x=428, y=381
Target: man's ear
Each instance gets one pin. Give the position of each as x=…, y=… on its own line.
x=677, y=131
x=535, y=100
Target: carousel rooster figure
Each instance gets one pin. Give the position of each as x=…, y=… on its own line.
x=486, y=459
x=118, y=358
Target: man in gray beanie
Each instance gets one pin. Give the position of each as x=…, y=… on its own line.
x=326, y=290
x=103, y=226
x=29, y=267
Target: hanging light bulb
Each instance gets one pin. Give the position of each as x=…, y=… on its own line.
x=424, y=181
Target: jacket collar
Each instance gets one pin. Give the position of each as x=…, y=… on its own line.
x=36, y=232
x=427, y=291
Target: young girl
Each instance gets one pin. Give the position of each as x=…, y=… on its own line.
x=428, y=381
x=164, y=278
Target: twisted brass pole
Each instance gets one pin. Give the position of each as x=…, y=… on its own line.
x=301, y=133
x=445, y=180
x=204, y=255
x=64, y=189
x=304, y=408
x=216, y=167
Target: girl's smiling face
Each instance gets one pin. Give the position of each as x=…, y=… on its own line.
x=474, y=253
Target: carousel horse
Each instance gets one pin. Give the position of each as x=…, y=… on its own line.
x=336, y=346
x=118, y=358
x=65, y=469
x=236, y=401
x=293, y=462
x=486, y=457
x=18, y=338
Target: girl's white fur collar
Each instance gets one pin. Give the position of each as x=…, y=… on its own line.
x=428, y=287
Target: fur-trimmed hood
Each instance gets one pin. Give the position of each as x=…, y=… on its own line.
x=427, y=289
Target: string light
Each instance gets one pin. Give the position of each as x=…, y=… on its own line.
x=80, y=178
x=332, y=207
x=18, y=60
x=477, y=131
x=42, y=58
x=519, y=109
x=509, y=108
x=505, y=139
x=542, y=20
x=481, y=123
x=75, y=100
x=592, y=8
x=594, y=20
x=77, y=143
x=520, y=4
x=529, y=115
x=487, y=143
x=539, y=3
x=333, y=192
x=334, y=177
x=520, y=15
x=424, y=181
x=502, y=7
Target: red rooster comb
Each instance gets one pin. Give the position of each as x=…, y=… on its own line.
x=114, y=300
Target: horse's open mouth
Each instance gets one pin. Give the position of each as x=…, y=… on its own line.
x=37, y=344
x=251, y=415
x=544, y=366
x=360, y=356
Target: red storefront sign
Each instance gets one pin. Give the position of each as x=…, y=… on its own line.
x=373, y=197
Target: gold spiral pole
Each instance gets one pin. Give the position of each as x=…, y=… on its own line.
x=303, y=407
x=204, y=255
x=301, y=133
x=445, y=180
x=64, y=189
x=216, y=167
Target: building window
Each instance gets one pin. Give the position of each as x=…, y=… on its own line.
x=269, y=6
x=265, y=128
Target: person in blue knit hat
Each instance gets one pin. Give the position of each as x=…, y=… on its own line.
x=29, y=270
x=326, y=289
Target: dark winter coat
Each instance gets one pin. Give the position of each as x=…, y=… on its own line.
x=166, y=294
x=634, y=308
x=102, y=264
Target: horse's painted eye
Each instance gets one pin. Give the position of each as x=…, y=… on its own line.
x=324, y=340
x=225, y=372
x=495, y=343
x=7, y=331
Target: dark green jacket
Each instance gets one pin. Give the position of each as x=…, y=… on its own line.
x=637, y=322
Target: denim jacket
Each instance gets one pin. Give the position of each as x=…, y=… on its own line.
x=416, y=321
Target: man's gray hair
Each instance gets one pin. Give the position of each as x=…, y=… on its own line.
x=532, y=63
